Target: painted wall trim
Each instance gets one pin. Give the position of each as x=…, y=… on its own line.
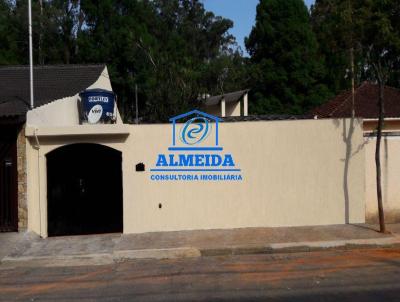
x=81, y=130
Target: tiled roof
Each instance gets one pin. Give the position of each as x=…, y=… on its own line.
x=51, y=82
x=229, y=97
x=365, y=103
x=270, y=117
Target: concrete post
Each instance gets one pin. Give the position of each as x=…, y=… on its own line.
x=245, y=105
x=223, y=107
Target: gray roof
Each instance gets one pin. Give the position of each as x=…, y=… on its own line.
x=51, y=83
x=250, y=118
x=229, y=97
x=270, y=117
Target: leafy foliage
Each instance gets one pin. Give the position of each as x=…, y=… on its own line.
x=332, y=23
x=341, y=25
x=286, y=70
x=176, y=51
x=173, y=50
x=378, y=27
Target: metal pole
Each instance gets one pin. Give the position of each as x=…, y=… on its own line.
x=136, y=104
x=30, y=53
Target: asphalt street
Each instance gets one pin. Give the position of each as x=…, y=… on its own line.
x=350, y=275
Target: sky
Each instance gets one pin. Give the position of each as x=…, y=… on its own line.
x=241, y=12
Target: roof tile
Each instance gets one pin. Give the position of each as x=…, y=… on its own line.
x=51, y=82
x=365, y=103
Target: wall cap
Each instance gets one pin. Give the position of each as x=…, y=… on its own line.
x=79, y=130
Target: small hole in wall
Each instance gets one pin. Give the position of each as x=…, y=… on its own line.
x=159, y=205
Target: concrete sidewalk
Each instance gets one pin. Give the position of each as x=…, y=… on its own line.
x=26, y=249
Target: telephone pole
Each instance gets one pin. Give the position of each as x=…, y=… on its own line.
x=30, y=54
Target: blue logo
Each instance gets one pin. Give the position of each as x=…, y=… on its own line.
x=195, y=153
x=199, y=132
x=195, y=130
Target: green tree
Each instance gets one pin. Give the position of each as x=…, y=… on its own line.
x=172, y=50
x=332, y=22
x=59, y=23
x=54, y=31
x=7, y=34
x=168, y=48
x=370, y=28
x=192, y=42
x=336, y=24
x=286, y=70
x=225, y=73
x=378, y=25
x=117, y=33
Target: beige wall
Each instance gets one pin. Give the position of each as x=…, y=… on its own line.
x=390, y=163
x=231, y=109
x=296, y=173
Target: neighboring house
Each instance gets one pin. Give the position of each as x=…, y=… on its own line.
x=52, y=84
x=366, y=107
x=226, y=105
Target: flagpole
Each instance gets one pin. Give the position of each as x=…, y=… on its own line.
x=30, y=54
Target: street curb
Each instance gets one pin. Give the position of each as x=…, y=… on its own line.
x=192, y=252
x=98, y=259
x=56, y=261
x=307, y=246
x=170, y=253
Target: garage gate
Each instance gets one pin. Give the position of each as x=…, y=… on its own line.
x=8, y=179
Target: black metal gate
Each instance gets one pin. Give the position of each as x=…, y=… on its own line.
x=8, y=180
x=84, y=190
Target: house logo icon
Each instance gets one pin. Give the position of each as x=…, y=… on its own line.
x=198, y=132
x=195, y=153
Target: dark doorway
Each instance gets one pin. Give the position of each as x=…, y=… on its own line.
x=8, y=179
x=84, y=190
